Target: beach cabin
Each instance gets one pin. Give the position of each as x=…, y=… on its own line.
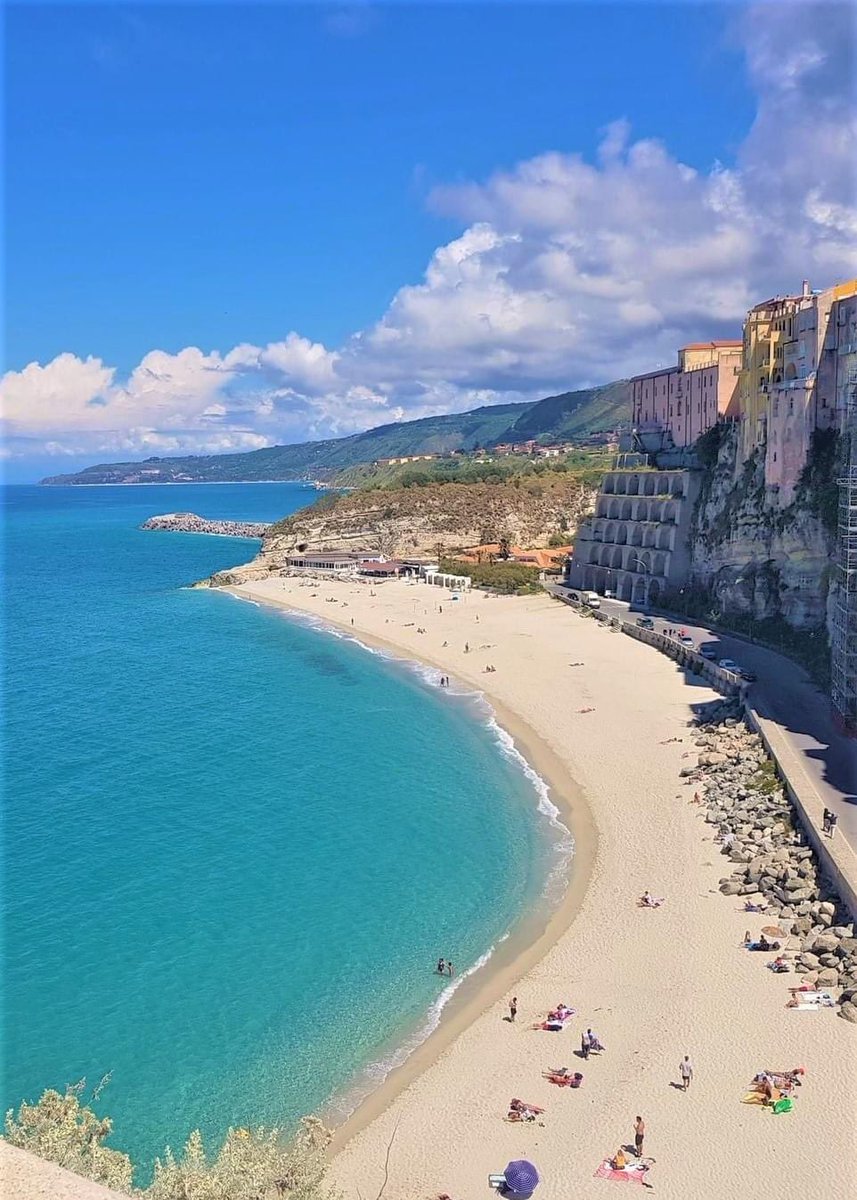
x=457, y=583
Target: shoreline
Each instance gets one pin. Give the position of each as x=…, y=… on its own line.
x=655, y=985
x=512, y=958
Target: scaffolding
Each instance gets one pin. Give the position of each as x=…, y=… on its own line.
x=843, y=657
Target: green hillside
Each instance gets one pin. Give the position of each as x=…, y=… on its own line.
x=573, y=414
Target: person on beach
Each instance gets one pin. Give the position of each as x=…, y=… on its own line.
x=467, y=647
x=513, y=1008
x=825, y=820
x=685, y=1070
x=639, y=1134
x=833, y=821
x=584, y=1045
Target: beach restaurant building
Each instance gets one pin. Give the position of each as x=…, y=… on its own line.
x=322, y=560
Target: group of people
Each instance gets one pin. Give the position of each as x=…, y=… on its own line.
x=590, y=1043
x=444, y=967
x=444, y=681
x=619, y=1161
x=829, y=823
x=519, y=1110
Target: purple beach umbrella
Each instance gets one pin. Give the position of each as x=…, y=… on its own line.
x=521, y=1177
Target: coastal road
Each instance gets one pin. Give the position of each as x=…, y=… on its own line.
x=783, y=693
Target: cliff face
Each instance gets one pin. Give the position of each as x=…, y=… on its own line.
x=754, y=557
x=426, y=521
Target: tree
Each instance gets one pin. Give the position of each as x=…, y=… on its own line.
x=62, y=1130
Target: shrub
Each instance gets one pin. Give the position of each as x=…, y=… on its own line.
x=252, y=1164
x=62, y=1130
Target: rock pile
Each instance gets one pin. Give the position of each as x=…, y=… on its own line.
x=760, y=834
x=185, y=522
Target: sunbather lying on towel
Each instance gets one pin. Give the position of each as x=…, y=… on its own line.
x=779, y=965
x=564, y=1077
x=647, y=900
x=810, y=1000
x=520, y=1111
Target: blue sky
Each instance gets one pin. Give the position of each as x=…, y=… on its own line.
x=213, y=177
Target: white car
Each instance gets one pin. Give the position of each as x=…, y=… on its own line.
x=729, y=664
x=608, y=595
x=685, y=639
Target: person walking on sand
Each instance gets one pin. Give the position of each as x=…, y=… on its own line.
x=685, y=1070
x=584, y=1045
x=639, y=1134
x=513, y=1008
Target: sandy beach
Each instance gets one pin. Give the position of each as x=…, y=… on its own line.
x=653, y=984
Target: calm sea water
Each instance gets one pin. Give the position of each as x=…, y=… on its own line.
x=234, y=845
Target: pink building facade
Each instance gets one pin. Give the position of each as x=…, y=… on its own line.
x=679, y=403
x=812, y=369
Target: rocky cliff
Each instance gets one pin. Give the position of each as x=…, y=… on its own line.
x=753, y=557
x=426, y=521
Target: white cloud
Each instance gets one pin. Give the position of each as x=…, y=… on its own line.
x=565, y=273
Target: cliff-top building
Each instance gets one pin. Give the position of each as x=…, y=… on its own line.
x=676, y=405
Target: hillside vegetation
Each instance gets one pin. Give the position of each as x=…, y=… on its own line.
x=434, y=519
x=586, y=465
x=573, y=414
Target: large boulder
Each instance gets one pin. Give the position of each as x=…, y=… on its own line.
x=849, y=1012
x=827, y=978
x=825, y=943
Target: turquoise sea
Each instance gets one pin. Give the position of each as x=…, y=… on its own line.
x=235, y=845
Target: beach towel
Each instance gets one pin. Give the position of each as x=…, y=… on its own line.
x=808, y=1001
x=783, y=1106
x=753, y=1098
x=633, y=1173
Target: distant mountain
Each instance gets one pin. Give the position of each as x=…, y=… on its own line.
x=574, y=414
x=556, y=418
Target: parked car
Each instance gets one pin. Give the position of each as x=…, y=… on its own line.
x=685, y=639
x=645, y=622
x=592, y=599
x=748, y=676
x=729, y=664
x=708, y=652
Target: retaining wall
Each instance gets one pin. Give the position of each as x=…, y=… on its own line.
x=836, y=858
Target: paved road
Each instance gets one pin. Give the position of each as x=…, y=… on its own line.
x=783, y=693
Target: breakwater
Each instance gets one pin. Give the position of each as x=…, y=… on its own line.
x=187, y=522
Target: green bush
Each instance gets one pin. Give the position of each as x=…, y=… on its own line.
x=507, y=578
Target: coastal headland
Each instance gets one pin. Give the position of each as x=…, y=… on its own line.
x=604, y=720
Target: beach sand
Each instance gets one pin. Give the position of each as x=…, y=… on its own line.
x=654, y=985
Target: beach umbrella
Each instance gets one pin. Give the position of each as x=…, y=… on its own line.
x=521, y=1177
